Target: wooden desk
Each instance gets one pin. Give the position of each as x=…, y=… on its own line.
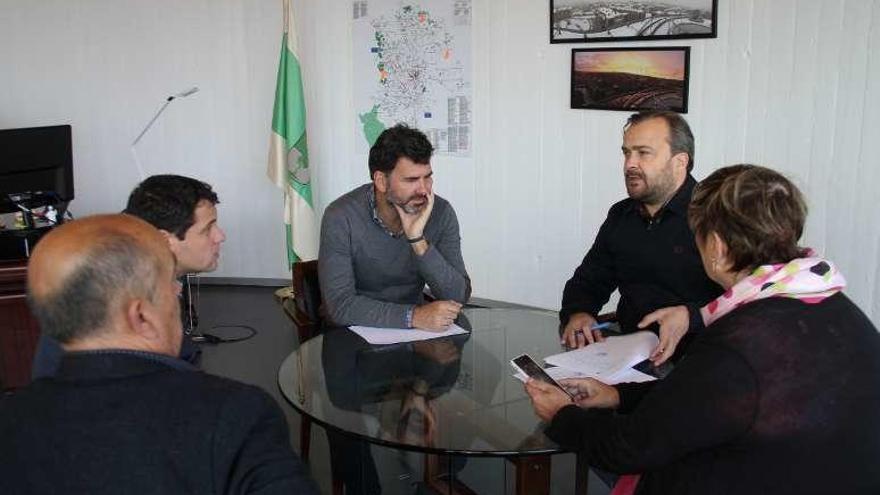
x=18, y=328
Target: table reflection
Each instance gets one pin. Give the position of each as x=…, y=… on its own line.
x=448, y=396
x=396, y=385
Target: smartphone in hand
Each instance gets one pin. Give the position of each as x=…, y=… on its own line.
x=527, y=366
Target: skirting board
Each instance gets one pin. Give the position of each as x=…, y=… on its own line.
x=283, y=282
x=253, y=282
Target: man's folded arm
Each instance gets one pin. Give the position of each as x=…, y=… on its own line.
x=341, y=300
x=442, y=265
x=346, y=307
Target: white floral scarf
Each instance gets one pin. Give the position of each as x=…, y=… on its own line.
x=810, y=279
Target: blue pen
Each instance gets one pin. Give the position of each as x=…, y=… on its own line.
x=596, y=326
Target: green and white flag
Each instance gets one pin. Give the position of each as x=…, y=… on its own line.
x=288, y=154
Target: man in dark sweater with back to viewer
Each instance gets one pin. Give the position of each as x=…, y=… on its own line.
x=123, y=414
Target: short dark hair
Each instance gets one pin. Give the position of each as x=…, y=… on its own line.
x=168, y=202
x=758, y=213
x=400, y=141
x=681, y=139
x=116, y=266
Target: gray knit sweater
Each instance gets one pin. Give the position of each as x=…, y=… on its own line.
x=369, y=277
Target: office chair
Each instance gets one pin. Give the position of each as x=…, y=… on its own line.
x=307, y=318
x=306, y=315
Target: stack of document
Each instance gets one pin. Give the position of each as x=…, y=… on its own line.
x=383, y=336
x=610, y=361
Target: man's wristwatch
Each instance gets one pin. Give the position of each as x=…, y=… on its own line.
x=417, y=239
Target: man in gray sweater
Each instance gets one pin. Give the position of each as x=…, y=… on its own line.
x=383, y=241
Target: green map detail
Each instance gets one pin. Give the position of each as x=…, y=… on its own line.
x=372, y=125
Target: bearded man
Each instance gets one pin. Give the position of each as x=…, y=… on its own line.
x=645, y=248
x=384, y=241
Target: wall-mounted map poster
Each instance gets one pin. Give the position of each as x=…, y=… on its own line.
x=412, y=64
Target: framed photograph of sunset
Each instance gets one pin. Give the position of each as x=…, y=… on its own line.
x=586, y=21
x=630, y=79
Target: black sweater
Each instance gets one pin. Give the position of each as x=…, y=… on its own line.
x=127, y=422
x=776, y=397
x=654, y=263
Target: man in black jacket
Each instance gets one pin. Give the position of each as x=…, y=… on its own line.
x=645, y=248
x=123, y=414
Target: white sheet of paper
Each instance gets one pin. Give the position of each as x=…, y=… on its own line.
x=375, y=335
x=628, y=375
x=603, y=360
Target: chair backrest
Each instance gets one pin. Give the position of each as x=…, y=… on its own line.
x=307, y=298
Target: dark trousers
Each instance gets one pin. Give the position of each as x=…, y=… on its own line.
x=352, y=462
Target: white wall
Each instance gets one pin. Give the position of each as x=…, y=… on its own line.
x=106, y=66
x=792, y=84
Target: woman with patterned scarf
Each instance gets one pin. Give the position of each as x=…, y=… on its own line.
x=779, y=394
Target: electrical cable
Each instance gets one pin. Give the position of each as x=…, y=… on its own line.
x=193, y=319
x=210, y=338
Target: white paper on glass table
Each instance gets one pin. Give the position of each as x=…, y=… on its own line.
x=382, y=336
x=604, y=360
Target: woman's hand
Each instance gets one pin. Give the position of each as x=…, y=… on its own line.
x=589, y=392
x=674, y=323
x=546, y=399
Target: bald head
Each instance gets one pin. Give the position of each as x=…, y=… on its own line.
x=83, y=274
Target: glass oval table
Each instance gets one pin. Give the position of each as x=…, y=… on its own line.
x=452, y=396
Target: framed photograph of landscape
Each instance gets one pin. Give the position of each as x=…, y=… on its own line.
x=585, y=21
x=630, y=79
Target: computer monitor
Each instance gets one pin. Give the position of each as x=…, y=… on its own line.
x=36, y=165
